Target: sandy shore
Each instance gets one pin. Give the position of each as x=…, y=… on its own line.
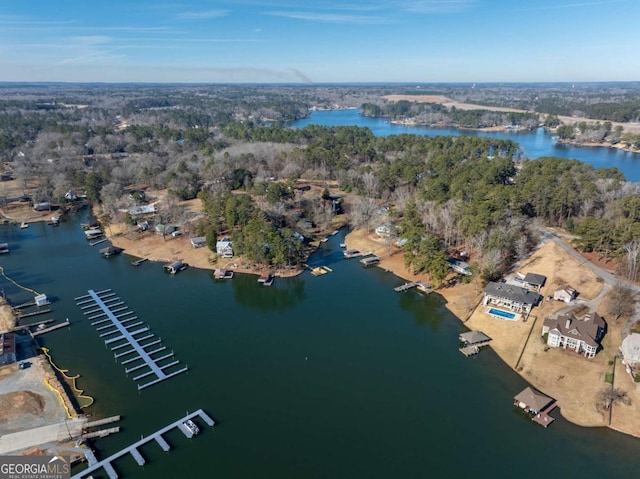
x=573, y=381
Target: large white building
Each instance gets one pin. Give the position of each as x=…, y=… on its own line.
x=630, y=349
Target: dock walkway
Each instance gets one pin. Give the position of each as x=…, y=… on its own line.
x=105, y=307
x=38, y=332
x=405, y=287
x=106, y=465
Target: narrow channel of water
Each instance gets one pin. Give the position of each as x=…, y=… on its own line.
x=315, y=377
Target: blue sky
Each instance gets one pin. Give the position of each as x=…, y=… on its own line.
x=319, y=41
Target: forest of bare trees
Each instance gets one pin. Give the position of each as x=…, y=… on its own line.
x=452, y=193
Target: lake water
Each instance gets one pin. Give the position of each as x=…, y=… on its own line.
x=534, y=144
x=336, y=376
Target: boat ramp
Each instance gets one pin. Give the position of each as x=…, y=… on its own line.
x=106, y=464
x=128, y=339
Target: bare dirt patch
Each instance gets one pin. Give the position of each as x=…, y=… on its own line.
x=7, y=319
x=15, y=404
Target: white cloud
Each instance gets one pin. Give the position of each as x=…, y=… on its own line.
x=332, y=17
x=203, y=15
x=436, y=6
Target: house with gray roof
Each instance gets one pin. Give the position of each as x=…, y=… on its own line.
x=459, y=266
x=630, y=349
x=534, y=281
x=514, y=298
x=581, y=335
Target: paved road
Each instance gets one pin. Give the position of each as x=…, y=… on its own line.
x=609, y=280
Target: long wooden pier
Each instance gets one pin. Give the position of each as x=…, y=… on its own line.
x=106, y=464
x=38, y=332
x=405, y=287
x=109, y=314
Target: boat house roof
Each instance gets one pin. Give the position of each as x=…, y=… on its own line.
x=474, y=337
x=534, y=399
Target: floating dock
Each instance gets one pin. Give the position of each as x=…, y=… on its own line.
x=419, y=285
x=106, y=465
x=121, y=331
x=38, y=332
x=138, y=262
x=320, y=270
x=405, y=287
x=20, y=315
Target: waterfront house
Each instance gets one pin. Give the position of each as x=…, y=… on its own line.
x=142, y=210
x=514, y=298
x=581, y=335
x=566, y=294
x=224, y=248
x=387, y=230
x=630, y=349
x=459, y=266
x=45, y=205
x=71, y=195
x=165, y=229
x=7, y=349
x=534, y=281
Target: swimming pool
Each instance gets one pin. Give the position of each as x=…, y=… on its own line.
x=502, y=314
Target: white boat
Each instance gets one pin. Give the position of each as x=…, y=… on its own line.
x=190, y=426
x=24, y=225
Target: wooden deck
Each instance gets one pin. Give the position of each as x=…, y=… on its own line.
x=469, y=350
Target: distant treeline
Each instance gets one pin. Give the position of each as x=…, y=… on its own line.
x=435, y=113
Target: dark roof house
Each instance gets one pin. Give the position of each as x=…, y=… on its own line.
x=582, y=335
x=510, y=296
x=534, y=281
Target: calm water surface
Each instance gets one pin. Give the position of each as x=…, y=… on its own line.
x=533, y=144
x=334, y=376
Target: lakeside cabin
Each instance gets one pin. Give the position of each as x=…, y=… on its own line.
x=175, y=267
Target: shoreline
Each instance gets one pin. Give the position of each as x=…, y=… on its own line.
x=552, y=371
